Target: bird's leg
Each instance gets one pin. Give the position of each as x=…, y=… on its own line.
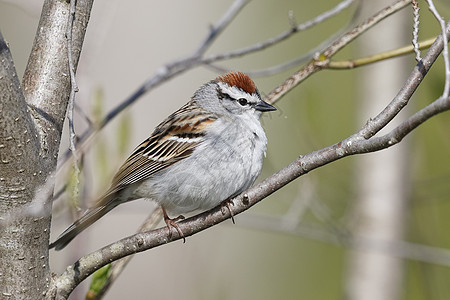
x=226, y=204
x=173, y=223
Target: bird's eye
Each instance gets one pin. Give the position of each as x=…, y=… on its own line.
x=243, y=101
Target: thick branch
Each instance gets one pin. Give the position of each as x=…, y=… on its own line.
x=46, y=81
x=398, y=133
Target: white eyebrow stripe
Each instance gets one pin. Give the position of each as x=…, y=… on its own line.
x=235, y=93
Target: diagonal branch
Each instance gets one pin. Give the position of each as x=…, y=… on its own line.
x=282, y=36
x=226, y=19
x=398, y=133
x=322, y=59
x=47, y=72
x=375, y=125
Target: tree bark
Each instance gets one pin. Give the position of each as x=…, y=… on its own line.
x=31, y=121
x=23, y=254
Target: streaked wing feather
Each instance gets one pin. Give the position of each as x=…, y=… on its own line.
x=171, y=141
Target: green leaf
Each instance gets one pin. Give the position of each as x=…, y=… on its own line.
x=99, y=279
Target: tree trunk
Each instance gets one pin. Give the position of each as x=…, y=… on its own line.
x=31, y=121
x=24, y=224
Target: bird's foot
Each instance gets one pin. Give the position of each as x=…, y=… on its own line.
x=227, y=204
x=173, y=223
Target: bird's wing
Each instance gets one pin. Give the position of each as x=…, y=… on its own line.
x=172, y=140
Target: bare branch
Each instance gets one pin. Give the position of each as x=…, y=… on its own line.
x=9, y=83
x=359, y=62
x=396, y=135
x=281, y=37
x=48, y=68
x=445, y=51
x=70, y=106
x=416, y=9
x=229, y=15
x=73, y=81
x=375, y=125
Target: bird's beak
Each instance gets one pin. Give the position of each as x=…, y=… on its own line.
x=264, y=106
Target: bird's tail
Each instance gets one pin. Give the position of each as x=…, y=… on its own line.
x=104, y=205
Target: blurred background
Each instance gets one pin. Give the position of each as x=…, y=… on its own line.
x=373, y=226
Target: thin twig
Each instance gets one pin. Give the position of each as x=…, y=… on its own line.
x=281, y=37
x=349, y=64
x=415, y=43
x=445, y=51
x=70, y=105
x=230, y=14
x=74, y=86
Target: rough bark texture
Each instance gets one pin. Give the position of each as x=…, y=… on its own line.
x=21, y=231
x=31, y=120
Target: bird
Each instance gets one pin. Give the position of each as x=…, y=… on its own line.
x=202, y=155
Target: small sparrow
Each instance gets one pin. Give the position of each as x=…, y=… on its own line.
x=207, y=152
